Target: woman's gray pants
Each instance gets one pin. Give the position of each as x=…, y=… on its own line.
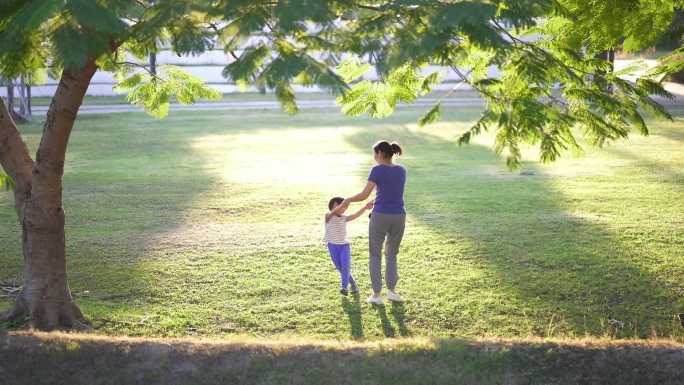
x=387, y=229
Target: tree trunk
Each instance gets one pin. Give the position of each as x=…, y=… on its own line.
x=45, y=296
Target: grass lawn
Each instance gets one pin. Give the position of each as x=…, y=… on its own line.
x=206, y=224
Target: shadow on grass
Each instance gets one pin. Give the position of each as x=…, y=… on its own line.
x=77, y=359
x=398, y=312
x=522, y=262
x=353, y=310
x=387, y=329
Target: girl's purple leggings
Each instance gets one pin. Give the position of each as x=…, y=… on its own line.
x=341, y=257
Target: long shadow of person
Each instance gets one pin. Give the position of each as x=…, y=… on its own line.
x=399, y=313
x=353, y=310
x=387, y=328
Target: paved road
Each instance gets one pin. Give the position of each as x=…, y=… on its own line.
x=676, y=89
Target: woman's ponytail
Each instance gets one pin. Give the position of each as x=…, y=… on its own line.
x=387, y=149
x=395, y=148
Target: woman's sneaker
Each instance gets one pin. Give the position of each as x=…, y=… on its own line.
x=374, y=300
x=394, y=297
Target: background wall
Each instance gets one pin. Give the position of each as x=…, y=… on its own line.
x=209, y=66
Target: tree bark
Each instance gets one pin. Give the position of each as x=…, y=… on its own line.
x=45, y=296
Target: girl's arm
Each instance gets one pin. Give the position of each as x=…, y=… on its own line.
x=365, y=193
x=332, y=212
x=357, y=214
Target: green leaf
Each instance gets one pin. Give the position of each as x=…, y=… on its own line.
x=39, y=11
x=631, y=70
x=95, y=17
x=628, y=45
x=70, y=47
x=654, y=108
x=154, y=93
x=131, y=82
x=431, y=116
x=513, y=163
x=244, y=68
x=477, y=128
x=285, y=95
x=654, y=88
x=434, y=78
x=354, y=102
x=352, y=69
x=453, y=16
x=7, y=182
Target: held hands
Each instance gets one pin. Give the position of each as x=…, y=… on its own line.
x=369, y=205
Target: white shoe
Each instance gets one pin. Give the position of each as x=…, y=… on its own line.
x=394, y=297
x=374, y=300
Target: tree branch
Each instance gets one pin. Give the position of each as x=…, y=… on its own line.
x=368, y=7
x=467, y=81
x=61, y=115
x=505, y=31
x=141, y=66
x=14, y=157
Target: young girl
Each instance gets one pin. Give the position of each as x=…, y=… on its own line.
x=338, y=244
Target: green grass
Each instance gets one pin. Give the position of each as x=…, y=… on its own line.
x=207, y=224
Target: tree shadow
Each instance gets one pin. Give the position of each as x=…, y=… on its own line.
x=353, y=310
x=29, y=358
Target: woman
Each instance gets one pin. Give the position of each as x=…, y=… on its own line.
x=387, y=220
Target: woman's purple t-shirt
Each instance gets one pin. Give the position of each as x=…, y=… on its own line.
x=389, y=189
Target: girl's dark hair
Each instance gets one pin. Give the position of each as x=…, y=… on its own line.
x=332, y=202
x=386, y=148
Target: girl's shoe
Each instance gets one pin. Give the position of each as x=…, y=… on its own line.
x=374, y=300
x=354, y=289
x=344, y=292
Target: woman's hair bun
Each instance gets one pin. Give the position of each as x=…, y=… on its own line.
x=386, y=148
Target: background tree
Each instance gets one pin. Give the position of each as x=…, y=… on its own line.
x=275, y=44
x=551, y=80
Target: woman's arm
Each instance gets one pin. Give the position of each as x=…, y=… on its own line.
x=365, y=193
